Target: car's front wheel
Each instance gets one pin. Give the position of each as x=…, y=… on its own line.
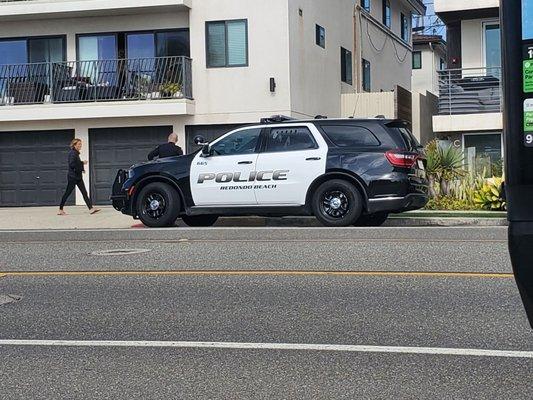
x=158, y=205
x=337, y=203
x=200, y=220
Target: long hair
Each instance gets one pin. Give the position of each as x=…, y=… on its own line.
x=74, y=143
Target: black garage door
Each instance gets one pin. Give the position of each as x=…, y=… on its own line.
x=33, y=167
x=114, y=148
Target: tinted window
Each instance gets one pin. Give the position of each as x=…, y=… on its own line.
x=410, y=141
x=227, y=43
x=290, y=139
x=320, y=36
x=241, y=142
x=346, y=66
x=417, y=60
x=350, y=136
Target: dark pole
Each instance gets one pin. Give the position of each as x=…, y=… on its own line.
x=518, y=153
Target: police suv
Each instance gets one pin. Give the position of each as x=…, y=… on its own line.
x=342, y=171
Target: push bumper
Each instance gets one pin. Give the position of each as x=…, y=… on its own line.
x=397, y=204
x=119, y=197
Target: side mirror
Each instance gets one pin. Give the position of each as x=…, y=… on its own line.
x=199, y=140
x=206, y=150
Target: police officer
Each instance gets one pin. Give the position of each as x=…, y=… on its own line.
x=76, y=168
x=169, y=149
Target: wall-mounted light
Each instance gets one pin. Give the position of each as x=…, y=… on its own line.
x=272, y=85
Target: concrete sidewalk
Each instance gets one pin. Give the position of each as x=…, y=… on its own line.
x=78, y=217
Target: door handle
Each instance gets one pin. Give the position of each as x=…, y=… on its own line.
x=312, y=159
x=245, y=162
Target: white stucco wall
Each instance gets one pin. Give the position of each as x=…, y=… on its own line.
x=462, y=5
x=426, y=78
x=315, y=72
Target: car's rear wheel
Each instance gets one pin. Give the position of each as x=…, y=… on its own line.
x=158, y=205
x=337, y=203
x=200, y=220
x=376, y=219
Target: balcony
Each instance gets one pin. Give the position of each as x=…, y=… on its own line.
x=145, y=83
x=12, y=10
x=470, y=99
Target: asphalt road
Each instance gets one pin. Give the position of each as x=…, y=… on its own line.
x=200, y=312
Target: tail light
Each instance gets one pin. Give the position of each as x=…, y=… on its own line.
x=401, y=159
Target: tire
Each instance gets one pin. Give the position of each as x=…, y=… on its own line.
x=377, y=219
x=200, y=220
x=337, y=203
x=158, y=205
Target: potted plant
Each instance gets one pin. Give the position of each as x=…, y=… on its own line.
x=170, y=89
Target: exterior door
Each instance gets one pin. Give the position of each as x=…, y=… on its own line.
x=33, y=167
x=226, y=177
x=112, y=149
x=292, y=159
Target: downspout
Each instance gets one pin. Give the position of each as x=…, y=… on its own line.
x=358, y=48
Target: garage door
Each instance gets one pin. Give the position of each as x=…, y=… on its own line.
x=33, y=167
x=114, y=148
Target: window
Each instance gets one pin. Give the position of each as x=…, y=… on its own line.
x=483, y=153
x=320, y=36
x=442, y=64
x=32, y=50
x=290, y=139
x=350, y=136
x=227, y=43
x=417, y=60
x=240, y=142
x=405, y=27
x=386, y=13
x=366, y=76
x=346, y=66
x=366, y=5
x=492, y=47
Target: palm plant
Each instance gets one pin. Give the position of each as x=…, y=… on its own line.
x=451, y=167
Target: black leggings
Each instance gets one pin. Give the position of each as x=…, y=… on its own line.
x=70, y=187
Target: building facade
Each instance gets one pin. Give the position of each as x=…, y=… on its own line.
x=122, y=75
x=470, y=88
x=429, y=57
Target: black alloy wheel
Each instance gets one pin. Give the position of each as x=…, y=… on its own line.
x=337, y=203
x=158, y=205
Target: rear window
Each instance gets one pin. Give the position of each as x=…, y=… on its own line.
x=400, y=129
x=350, y=136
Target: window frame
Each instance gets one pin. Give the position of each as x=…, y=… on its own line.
x=404, y=28
x=417, y=53
x=258, y=145
x=266, y=136
x=484, y=25
x=345, y=77
x=366, y=5
x=387, y=14
x=363, y=80
x=246, y=43
x=318, y=29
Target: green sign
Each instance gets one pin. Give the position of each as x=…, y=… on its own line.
x=528, y=76
x=528, y=122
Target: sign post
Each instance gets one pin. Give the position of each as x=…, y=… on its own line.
x=517, y=42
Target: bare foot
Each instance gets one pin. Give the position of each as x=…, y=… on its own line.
x=94, y=210
x=61, y=212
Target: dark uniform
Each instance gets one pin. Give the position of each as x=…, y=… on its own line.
x=165, y=150
x=75, y=178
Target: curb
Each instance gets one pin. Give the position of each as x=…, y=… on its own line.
x=305, y=222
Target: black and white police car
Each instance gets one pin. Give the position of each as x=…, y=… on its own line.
x=342, y=171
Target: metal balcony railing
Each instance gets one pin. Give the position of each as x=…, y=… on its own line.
x=470, y=91
x=96, y=81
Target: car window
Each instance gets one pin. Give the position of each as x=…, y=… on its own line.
x=350, y=136
x=290, y=139
x=241, y=142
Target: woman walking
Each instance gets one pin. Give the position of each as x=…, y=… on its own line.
x=76, y=168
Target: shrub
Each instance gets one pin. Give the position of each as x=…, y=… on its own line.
x=489, y=196
x=450, y=204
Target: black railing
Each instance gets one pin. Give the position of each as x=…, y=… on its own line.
x=96, y=81
x=470, y=91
